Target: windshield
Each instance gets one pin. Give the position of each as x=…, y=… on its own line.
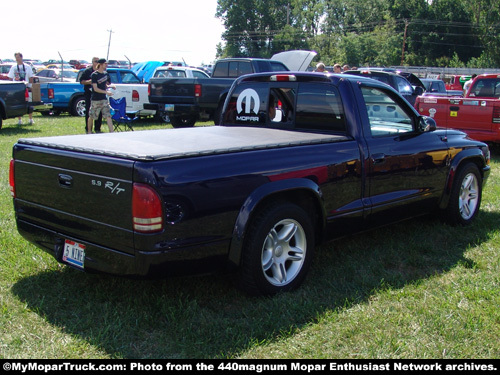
x=69, y=74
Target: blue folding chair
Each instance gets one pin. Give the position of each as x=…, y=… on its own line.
x=121, y=121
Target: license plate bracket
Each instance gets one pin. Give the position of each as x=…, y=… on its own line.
x=74, y=253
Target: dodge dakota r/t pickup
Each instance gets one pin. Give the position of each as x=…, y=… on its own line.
x=300, y=158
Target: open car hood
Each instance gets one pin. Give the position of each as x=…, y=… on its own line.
x=296, y=60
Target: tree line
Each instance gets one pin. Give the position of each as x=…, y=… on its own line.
x=444, y=33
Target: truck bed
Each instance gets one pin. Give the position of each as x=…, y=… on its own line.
x=171, y=143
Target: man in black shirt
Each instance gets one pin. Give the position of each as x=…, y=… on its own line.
x=100, y=92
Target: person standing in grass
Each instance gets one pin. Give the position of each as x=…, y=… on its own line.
x=22, y=72
x=86, y=81
x=100, y=93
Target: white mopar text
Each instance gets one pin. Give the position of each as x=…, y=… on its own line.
x=158, y=367
x=247, y=118
x=295, y=366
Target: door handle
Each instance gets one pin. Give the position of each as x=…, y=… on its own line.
x=378, y=158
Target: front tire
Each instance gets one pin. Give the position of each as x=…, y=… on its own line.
x=278, y=250
x=465, y=198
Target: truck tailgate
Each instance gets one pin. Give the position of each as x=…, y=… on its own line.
x=72, y=194
x=172, y=90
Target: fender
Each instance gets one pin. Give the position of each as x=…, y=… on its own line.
x=258, y=196
x=473, y=154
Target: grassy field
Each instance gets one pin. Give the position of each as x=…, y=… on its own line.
x=419, y=289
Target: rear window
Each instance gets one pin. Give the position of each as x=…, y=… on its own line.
x=305, y=106
x=167, y=73
x=486, y=88
x=232, y=69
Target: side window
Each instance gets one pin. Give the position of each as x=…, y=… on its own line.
x=113, y=76
x=221, y=69
x=233, y=69
x=128, y=77
x=278, y=67
x=387, y=117
x=404, y=86
x=319, y=107
x=244, y=68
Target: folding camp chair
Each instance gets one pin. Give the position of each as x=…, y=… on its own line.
x=121, y=121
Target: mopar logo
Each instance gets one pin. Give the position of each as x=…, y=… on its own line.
x=251, y=99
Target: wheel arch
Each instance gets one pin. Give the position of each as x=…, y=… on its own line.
x=473, y=155
x=303, y=192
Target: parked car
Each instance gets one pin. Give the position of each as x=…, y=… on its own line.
x=59, y=66
x=123, y=64
x=35, y=64
x=4, y=70
x=398, y=82
x=179, y=72
x=79, y=64
x=50, y=75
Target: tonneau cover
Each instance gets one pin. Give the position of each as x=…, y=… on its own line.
x=177, y=143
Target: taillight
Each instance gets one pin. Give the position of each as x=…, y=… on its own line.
x=11, y=179
x=135, y=96
x=149, y=90
x=147, y=210
x=197, y=91
x=496, y=115
x=50, y=93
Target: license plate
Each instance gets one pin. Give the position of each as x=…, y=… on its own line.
x=169, y=107
x=74, y=253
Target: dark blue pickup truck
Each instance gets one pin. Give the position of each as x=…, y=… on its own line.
x=12, y=100
x=14, y=103
x=187, y=100
x=300, y=158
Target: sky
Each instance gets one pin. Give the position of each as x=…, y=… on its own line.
x=142, y=30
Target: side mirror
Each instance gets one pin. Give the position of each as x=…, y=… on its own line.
x=426, y=124
x=419, y=90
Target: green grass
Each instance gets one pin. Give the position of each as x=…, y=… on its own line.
x=419, y=289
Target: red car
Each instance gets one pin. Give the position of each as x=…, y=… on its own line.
x=4, y=70
x=79, y=64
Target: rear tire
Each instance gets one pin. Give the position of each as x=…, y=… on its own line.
x=278, y=250
x=465, y=197
x=78, y=107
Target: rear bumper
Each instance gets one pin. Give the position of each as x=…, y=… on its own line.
x=41, y=106
x=179, y=109
x=207, y=258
